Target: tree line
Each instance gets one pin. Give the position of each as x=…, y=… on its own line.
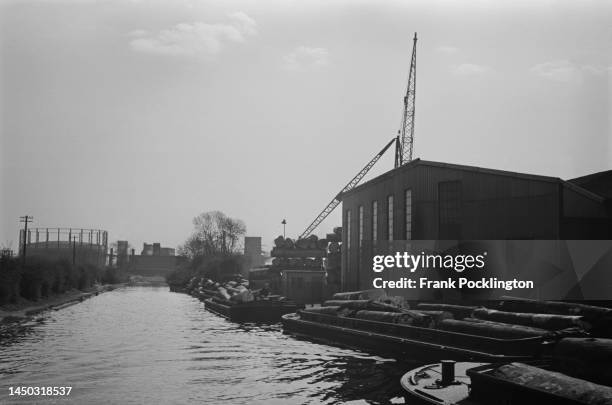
x=40, y=278
x=213, y=249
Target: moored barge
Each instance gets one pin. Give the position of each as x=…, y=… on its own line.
x=385, y=325
x=413, y=342
x=263, y=310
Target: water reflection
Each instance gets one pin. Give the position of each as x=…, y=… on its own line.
x=148, y=345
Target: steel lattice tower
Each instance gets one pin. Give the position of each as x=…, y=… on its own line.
x=406, y=132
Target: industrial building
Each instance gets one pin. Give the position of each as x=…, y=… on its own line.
x=253, y=257
x=155, y=249
x=154, y=260
x=424, y=200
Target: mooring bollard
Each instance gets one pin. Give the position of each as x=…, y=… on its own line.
x=448, y=372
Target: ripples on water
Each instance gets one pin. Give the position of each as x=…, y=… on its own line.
x=149, y=345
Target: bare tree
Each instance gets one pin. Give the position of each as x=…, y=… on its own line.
x=214, y=234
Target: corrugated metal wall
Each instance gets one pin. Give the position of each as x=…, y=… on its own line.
x=493, y=206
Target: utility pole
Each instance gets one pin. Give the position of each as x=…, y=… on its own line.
x=284, y=222
x=25, y=219
x=74, y=238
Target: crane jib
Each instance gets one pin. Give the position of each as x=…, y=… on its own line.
x=351, y=184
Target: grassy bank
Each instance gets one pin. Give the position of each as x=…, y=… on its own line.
x=40, y=279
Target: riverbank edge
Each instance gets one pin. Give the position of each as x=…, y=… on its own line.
x=53, y=303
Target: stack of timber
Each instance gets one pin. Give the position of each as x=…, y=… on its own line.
x=234, y=300
x=502, y=324
x=458, y=311
x=599, y=318
x=382, y=326
x=544, y=321
x=308, y=253
x=500, y=330
x=287, y=248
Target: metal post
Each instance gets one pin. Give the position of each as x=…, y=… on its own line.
x=25, y=219
x=74, y=250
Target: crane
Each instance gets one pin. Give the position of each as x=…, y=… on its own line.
x=403, y=153
x=351, y=184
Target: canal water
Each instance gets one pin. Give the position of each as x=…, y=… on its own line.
x=146, y=345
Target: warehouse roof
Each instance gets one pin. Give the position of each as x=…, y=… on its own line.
x=598, y=183
x=419, y=162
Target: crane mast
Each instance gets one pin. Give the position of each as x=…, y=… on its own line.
x=406, y=133
x=351, y=184
x=403, y=146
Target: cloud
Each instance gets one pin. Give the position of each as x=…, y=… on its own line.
x=304, y=58
x=193, y=39
x=565, y=71
x=469, y=69
x=245, y=23
x=448, y=50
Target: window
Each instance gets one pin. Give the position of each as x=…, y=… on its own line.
x=374, y=220
x=390, y=217
x=348, y=229
x=408, y=213
x=360, y=225
x=449, y=196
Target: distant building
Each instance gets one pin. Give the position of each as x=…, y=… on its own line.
x=154, y=260
x=252, y=253
x=122, y=253
x=155, y=249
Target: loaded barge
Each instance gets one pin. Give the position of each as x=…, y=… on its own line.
x=235, y=301
x=434, y=331
x=412, y=342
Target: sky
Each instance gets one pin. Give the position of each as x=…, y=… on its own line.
x=136, y=116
